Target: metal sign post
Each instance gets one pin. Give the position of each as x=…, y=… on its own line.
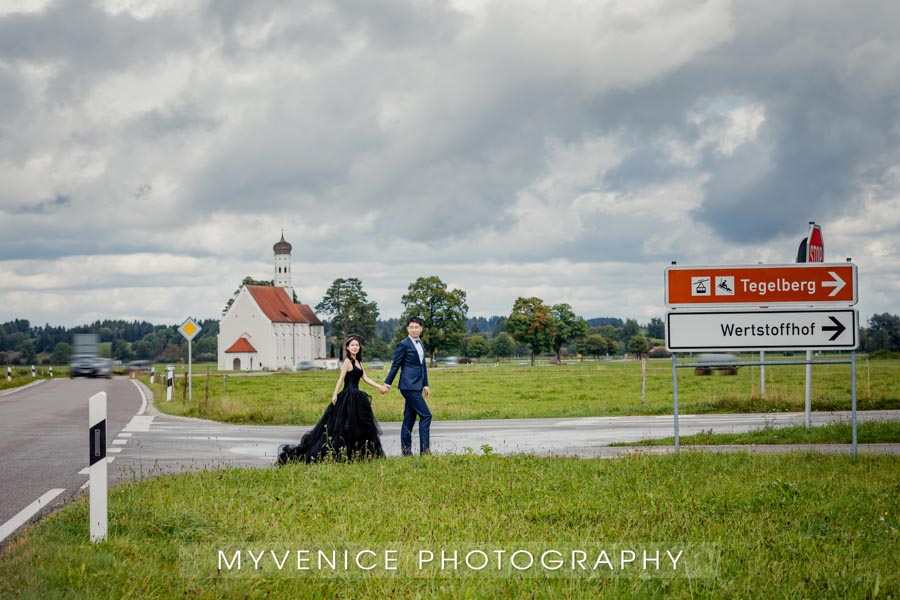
x=189, y=329
x=97, y=466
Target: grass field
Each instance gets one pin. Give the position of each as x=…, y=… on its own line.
x=871, y=432
x=575, y=389
x=792, y=526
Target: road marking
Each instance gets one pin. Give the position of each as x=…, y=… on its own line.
x=114, y=450
x=87, y=470
x=125, y=435
x=143, y=397
x=119, y=443
x=139, y=423
x=24, y=387
x=26, y=513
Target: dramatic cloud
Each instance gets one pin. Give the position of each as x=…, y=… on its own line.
x=152, y=152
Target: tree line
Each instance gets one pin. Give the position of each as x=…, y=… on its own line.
x=532, y=328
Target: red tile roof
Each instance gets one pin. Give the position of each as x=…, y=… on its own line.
x=276, y=305
x=307, y=312
x=241, y=345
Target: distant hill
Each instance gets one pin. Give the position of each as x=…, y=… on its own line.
x=601, y=321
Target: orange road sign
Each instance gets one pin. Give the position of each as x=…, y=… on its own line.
x=762, y=285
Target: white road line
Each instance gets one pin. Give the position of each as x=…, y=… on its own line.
x=26, y=513
x=143, y=397
x=24, y=387
x=119, y=443
x=139, y=423
x=114, y=450
x=125, y=435
x=109, y=459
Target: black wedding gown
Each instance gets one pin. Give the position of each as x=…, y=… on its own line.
x=347, y=431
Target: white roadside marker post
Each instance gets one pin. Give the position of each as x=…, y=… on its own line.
x=98, y=468
x=170, y=382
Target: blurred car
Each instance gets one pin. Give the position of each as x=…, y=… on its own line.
x=307, y=365
x=138, y=367
x=83, y=366
x=376, y=364
x=104, y=368
x=90, y=366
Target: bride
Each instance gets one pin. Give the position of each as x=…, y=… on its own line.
x=348, y=429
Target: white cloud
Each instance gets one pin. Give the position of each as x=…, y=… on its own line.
x=152, y=152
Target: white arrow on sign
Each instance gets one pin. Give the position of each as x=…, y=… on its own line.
x=837, y=283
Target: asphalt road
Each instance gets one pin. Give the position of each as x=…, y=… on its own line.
x=44, y=440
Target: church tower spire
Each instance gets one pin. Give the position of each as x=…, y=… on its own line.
x=282, y=251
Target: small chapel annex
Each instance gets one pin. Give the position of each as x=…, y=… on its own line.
x=265, y=329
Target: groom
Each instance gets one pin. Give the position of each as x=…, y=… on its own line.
x=409, y=358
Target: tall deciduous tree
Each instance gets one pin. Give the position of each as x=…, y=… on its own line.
x=532, y=323
x=569, y=327
x=477, y=346
x=883, y=333
x=443, y=311
x=639, y=345
x=656, y=328
x=62, y=352
x=350, y=310
x=503, y=345
x=595, y=345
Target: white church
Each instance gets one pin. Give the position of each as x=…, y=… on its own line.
x=264, y=329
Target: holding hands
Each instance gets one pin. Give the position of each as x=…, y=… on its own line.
x=383, y=389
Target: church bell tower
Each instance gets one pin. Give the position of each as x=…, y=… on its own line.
x=283, y=265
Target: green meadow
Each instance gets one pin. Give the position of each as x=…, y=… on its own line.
x=511, y=390
x=788, y=526
x=869, y=432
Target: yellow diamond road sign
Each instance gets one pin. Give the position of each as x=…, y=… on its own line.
x=189, y=329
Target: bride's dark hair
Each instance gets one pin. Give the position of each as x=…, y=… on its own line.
x=347, y=349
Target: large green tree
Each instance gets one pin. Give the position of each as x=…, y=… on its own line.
x=569, y=327
x=444, y=312
x=349, y=309
x=596, y=345
x=477, y=346
x=532, y=323
x=503, y=345
x=656, y=328
x=62, y=352
x=883, y=333
x=639, y=345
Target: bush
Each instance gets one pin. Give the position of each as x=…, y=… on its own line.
x=660, y=353
x=884, y=355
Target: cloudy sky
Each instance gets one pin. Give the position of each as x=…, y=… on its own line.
x=151, y=152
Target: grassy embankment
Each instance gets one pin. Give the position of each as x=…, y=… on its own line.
x=576, y=389
x=796, y=526
x=873, y=432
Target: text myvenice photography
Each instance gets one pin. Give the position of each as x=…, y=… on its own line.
x=544, y=559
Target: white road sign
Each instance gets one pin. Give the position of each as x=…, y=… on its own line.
x=822, y=329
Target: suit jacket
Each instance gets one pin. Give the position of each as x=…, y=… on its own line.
x=413, y=374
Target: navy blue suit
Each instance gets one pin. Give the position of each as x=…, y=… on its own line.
x=413, y=379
